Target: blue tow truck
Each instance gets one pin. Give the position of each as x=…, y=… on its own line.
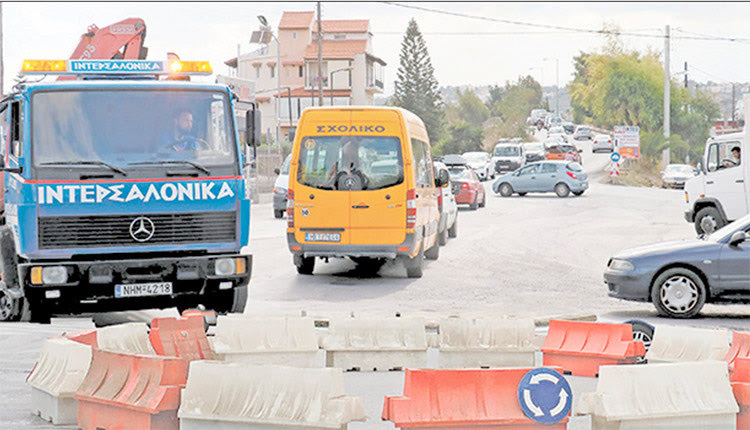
x=123, y=189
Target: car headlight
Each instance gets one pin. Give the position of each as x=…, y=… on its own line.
x=620, y=265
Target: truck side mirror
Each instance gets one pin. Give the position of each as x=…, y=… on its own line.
x=252, y=127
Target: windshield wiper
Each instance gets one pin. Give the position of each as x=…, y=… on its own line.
x=86, y=163
x=166, y=163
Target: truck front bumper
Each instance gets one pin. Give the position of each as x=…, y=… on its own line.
x=92, y=284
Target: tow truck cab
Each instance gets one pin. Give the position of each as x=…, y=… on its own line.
x=114, y=202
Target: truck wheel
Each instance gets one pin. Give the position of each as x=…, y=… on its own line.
x=414, y=265
x=708, y=220
x=434, y=252
x=678, y=293
x=443, y=237
x=453, y=231
x=305, y=265
x=11, y=309
x=230, y=301
x=278, y=213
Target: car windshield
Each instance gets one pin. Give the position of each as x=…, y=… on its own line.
x=533, y=147
x=459, y=173
x=583, y=130
x=729, y=229
x=129, y=128
x=285, y=166
x=506, y=151
x=324, y=160
x=575, y=167
x=602, y=137
x=679, y=169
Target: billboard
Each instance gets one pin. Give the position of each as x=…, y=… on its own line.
x=628, y=140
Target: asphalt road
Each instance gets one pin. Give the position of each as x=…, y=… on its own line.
x=533, y=256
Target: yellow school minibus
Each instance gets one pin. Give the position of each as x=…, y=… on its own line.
x=361, y=186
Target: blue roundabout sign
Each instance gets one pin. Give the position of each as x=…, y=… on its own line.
x=545, y=396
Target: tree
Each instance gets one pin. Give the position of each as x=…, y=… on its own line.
x=416, y=88
x=471, y=108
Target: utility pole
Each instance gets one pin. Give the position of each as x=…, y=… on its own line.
x=320, y=59
x=557, y=87
x=666, y=81
x=734, y=100
x=686, y=75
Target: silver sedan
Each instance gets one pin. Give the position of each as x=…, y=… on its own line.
x=680, y=277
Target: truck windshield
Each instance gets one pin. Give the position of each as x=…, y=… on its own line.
x=506, y=151
x=131, y=129
x=326, y=162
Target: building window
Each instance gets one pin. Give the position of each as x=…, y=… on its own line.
x=257, y=72
x=301, y=73
x=294, y=35
x=273, y=71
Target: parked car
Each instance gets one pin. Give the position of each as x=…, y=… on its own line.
x=602, y=142
x=560, y=177
x=558, y=129
x=448, y=225
x=481, y=163
x=534, y=151
x=675, y=175
x=569, y=127
x=508, y=156
x=280, y=188
x=553, y=140
x=680, y=277
x=564, y=152
x=583, y=133
x=466, y=186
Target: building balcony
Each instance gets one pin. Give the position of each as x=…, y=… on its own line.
x=376, y=86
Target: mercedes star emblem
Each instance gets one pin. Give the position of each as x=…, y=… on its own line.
x=142, y=229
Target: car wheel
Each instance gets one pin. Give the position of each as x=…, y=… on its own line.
x=305, y=265
x=678, y=293
x=484, y=201
x=443, y=237
x=473, y=206
x=708, y=220
x=453, y=231
x=278, y=213
x=506, y=190
x=577, y=193
x=562, y=190
x=643, y=332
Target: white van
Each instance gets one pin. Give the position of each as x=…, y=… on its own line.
x=508, y=157
x=720, y=194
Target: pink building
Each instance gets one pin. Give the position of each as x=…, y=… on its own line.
x=351, y=74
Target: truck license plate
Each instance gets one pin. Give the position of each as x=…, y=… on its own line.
x=140, y=290
x=323, y=237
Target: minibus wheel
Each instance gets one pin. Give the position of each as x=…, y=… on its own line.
x=305, y=265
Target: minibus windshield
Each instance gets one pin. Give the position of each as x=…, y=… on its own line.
x=350, y=162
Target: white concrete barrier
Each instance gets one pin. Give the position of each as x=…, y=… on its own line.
x=685, y=396
x=675, y=344
x=55, y=379
x=288, y=341
x=486, y=343
x=376, y=343
x=128, y=338
x=234, y=396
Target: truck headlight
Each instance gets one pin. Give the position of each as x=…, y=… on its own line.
x=620, y=265
x=225, y=267
x=54, y=275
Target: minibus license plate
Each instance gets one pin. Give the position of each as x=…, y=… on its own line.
x=323, y=237
x=139, y=290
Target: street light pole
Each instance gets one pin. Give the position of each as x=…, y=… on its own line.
x=330, y=79
x=266, y=28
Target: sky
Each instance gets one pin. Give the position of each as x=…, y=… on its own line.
x=475, y=52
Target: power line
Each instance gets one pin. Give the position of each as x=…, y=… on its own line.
x=523, y=23
x=701, y=36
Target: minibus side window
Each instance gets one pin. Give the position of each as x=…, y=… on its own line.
x=422, y=164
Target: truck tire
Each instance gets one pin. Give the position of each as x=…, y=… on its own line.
x=708, y=220
x=414, y=265
x=230, y=301
x=305, y=265
x=434, y=252
x=11, y=309
x=443, y=237
x=453, y=231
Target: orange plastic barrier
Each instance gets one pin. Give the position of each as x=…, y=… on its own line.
x=87, y=337
x=740, y=348
x=740, y=380
x=181, y=337
x=124, y=392
x=581, y=347
x=462, y=399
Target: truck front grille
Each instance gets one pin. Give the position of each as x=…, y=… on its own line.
x=115, y=230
